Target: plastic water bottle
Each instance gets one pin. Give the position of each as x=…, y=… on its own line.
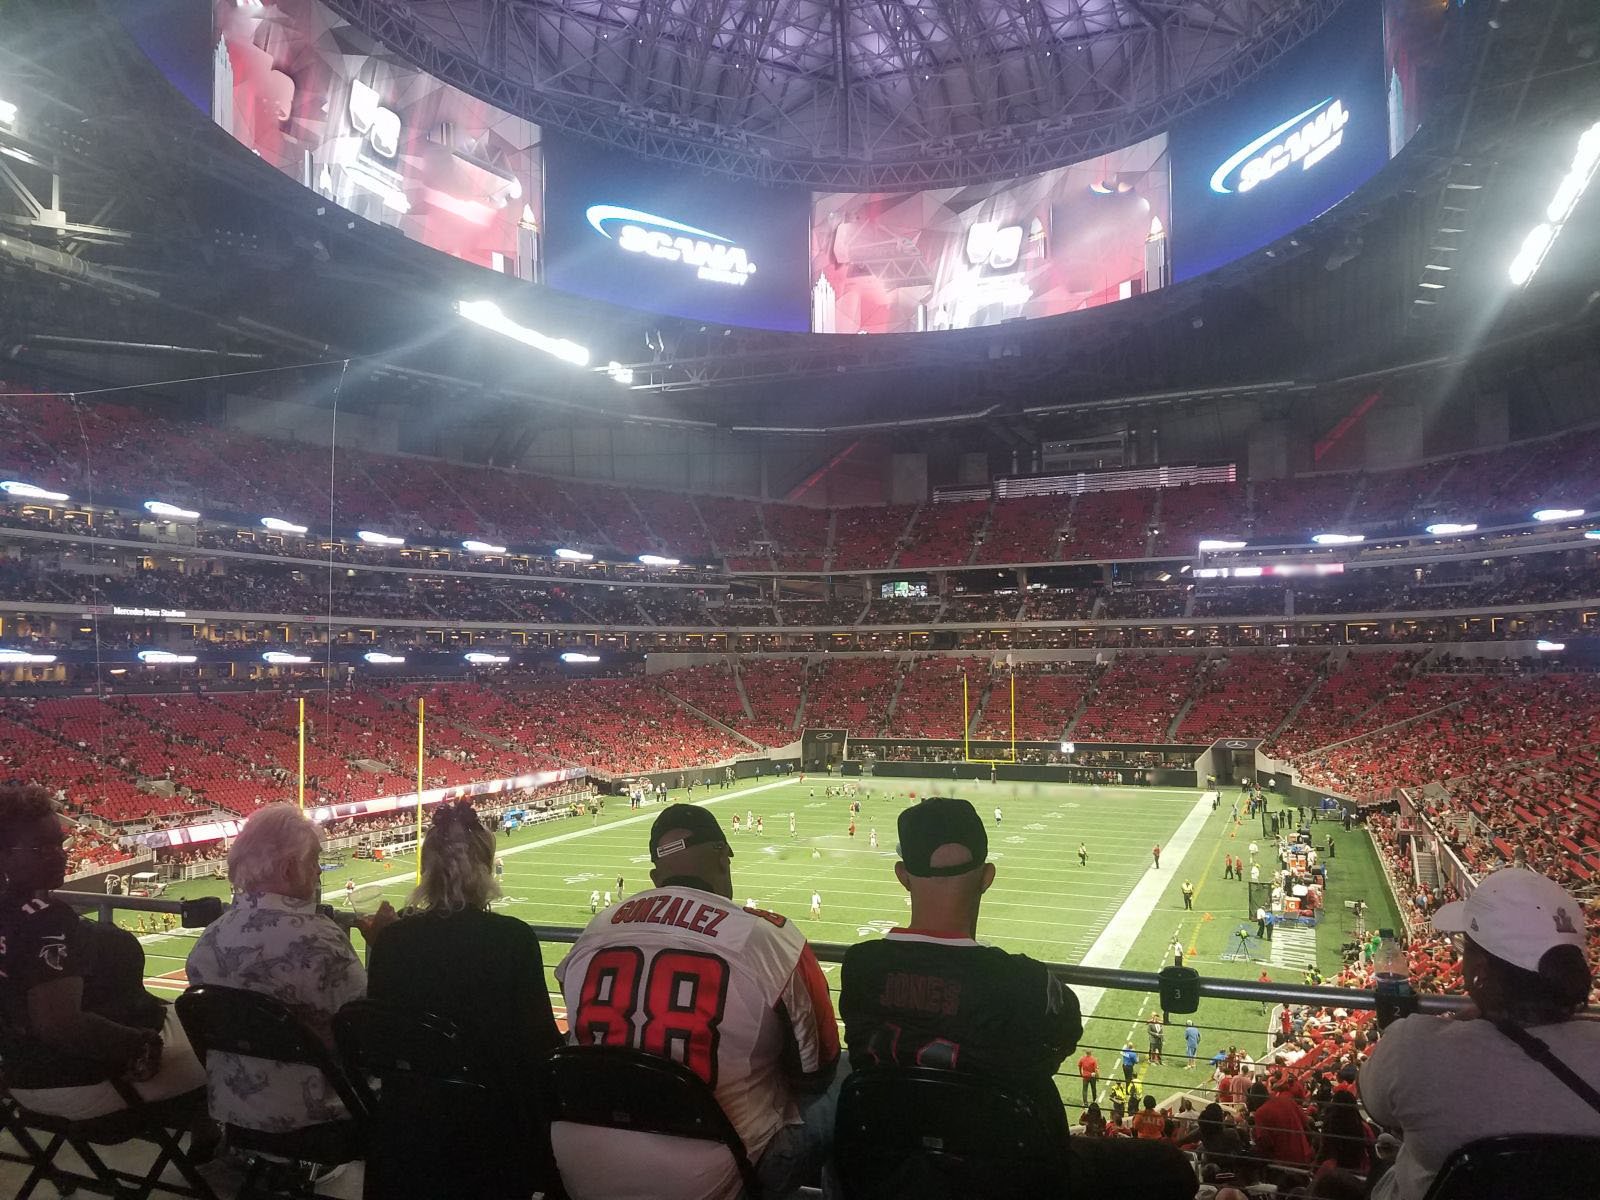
x=1389, y=964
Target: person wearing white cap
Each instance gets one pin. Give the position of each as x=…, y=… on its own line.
x=1520, y=1063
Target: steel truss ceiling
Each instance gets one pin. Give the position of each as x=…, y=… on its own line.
x=847, y=94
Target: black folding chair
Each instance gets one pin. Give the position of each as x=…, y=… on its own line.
x=614, y=1087
x=1524, y=1166
x=928, y=1135
x=161, y=1123
x=234, y=1021
x=448, y=1116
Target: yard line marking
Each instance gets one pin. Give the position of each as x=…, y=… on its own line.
x=1131, y=917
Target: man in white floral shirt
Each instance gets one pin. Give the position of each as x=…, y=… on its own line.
x=273, y=940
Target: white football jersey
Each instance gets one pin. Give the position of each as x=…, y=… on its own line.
x=724, y=990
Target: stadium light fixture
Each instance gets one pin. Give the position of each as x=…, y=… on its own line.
x=620, y=373
x=478, y=547
x=1067, y=747
x=1220, y=544
x=573, y=555
x=9, y=658
x=163, y=658
x=160, y=508
x=479, y=658
x=1338, y=539
x=282, y=658
x=1248, y=572
x=575, y=656
x=379, y=659
x=379, y=539
x=30, y=491
x=1592, y=534
x=1536, y=245
x=656, y=560
x=8, y=113
x=1545, y=647
x=1450, y=528
x=487, y=314
x=1558, y=514
x=279, y=525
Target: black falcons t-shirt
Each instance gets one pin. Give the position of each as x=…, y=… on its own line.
x=918, y=1000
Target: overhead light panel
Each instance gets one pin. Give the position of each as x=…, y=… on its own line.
x=478, y=547
x=11, y=658
x=479, y=658
x=8, y=113
x=1338, y=539
x=1558, y=514
x=283, y=658
x=1220, y=544
x=160, y=508
x=1545, y=647
x=1450, y=528
x=574, y=656
x=379, y=539
x=573, y=555
x=656, y=560
x=379, y=659
x=29, y=491
x=1536, y=245
x=487, y=314
x=162, y=658
x=279, y=525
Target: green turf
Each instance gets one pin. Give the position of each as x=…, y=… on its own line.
x=1043, y=902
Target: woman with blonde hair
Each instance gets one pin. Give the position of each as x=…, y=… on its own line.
x=450, y=956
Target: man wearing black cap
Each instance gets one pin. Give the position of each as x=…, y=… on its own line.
x=733, y=993
x=932, y=996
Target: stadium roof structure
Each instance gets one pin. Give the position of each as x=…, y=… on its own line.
x=847, y=94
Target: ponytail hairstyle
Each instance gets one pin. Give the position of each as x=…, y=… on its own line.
x=457, y=863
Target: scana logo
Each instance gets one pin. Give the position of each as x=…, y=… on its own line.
x=715, y=258
x=1305, y=138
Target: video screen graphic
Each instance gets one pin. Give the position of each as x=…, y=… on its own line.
x=1283, y=149
x=326, y=105
x=649, y=236
x=959, y=258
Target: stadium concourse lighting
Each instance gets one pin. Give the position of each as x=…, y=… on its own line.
x=1220, y=544
x=24, y=657
x=1531, y=254
x=1558, y=514
x=1446, y=528
x=160, y=508
x=8, y=113
x=379, y=539
x=656, y=560
x=573, y=555
x=29, y=491
x=1545, y=647
x=480, y=659
x=379, y=659
x=163, y=657
x=487, y=313
x=478, y=547
x=574, y=656
x=1338, y=539
x=1592, y=534
x=284, y=658
x=279, y=525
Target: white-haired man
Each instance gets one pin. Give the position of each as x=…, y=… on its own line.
x=274, y=941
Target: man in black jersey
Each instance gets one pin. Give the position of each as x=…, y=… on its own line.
x=930, y=995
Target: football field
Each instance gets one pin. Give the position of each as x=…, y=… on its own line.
x=1118, y=910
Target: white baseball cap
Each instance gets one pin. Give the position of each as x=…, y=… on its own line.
x=1516, y=915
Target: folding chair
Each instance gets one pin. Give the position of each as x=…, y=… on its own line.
x=161, y=1123
x=614, y=1087
x=1525, y=1166
x=485, y=1134
x=234, y=1021
x=926, y=1134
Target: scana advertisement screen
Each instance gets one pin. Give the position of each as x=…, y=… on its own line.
x=649, y=236
x=958, y=258
x=325, y=104
x=1283, y=149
